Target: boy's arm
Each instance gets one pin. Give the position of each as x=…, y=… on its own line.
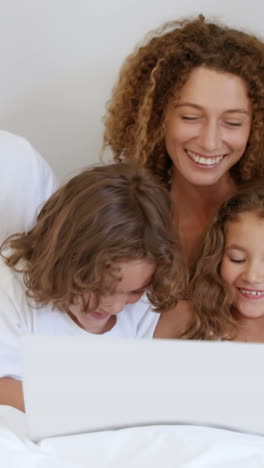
x=174, y=322
x=11, y=393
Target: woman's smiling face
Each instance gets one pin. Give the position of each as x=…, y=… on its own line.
x=208, y=126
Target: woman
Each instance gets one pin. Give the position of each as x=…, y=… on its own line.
x=189, y=105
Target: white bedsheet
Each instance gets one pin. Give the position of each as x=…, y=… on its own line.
x=155, y=446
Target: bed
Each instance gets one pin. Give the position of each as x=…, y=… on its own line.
x=153, y=446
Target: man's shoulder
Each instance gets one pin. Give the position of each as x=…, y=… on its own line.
x=11, y=281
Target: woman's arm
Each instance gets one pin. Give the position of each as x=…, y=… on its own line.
x=11, y=393
x=173, y=323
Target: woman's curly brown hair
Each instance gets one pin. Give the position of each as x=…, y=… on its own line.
x=134, y=122
x=104, y=215
x=213, y=315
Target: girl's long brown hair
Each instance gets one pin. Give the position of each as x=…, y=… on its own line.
x=104, y=215
x=159, y=68
x=210, y=296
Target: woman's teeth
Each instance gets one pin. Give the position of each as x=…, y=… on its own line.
x=252, y=293
x=202, y=160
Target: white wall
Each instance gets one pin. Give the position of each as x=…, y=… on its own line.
x=60, y=59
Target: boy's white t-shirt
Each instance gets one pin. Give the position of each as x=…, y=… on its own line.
x=18, y=318
x=27, y=182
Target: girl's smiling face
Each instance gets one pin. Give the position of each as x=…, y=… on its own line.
x=242, y=265
x=207, y=126
x=136, y=277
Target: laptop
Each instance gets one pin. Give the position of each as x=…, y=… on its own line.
x=74, y=385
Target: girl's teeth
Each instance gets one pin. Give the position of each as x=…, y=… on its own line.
x=252, y=293
x=204, y=161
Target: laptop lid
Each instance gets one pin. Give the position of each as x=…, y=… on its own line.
x=74, y=385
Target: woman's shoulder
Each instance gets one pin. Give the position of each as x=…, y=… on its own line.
x=175, y=321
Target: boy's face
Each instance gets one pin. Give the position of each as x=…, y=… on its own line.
x=136, y=276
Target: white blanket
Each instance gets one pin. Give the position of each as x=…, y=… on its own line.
x=154, y=446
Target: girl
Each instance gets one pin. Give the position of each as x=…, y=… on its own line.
x=99, y=243
x=227, y=278
x=189, y=106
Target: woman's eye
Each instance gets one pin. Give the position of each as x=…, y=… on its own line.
x=234, y=124
x=187, y=117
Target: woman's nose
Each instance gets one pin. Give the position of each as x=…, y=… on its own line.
x=209, y=137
